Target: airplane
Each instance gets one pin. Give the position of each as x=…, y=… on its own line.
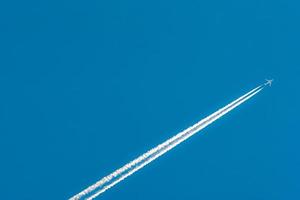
x=269, y=82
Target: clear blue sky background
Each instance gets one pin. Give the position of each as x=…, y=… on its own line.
x=87, y=86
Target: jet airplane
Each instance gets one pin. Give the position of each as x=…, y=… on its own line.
x=269, y=82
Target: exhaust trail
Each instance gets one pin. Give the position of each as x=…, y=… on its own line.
x=120, y=174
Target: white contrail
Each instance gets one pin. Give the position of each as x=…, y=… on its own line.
x=112, y=179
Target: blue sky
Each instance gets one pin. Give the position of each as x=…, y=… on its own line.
x=87, y=86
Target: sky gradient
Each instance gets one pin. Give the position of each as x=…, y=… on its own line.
x=87, y=86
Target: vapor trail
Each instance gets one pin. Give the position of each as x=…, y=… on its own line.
x=117, y=176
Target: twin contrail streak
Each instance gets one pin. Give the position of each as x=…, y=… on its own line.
x=120, y=174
